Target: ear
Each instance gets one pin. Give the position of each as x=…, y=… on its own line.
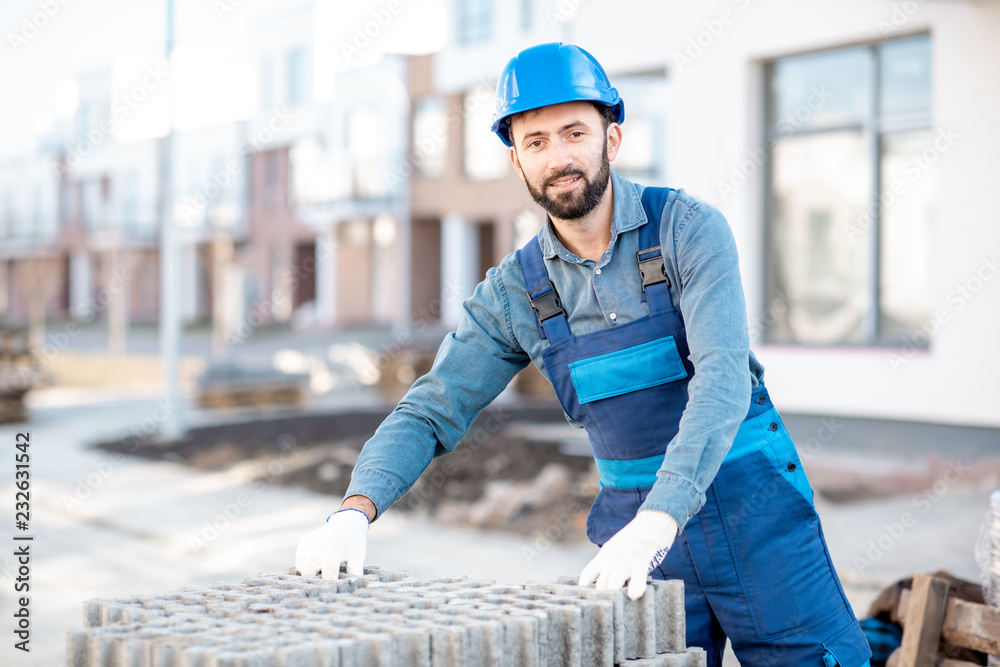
x=517, y=163
x=614, y=140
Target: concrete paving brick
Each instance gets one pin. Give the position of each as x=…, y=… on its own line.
x=640, y=626
x=448, y=645
x=692, y=657
x=615, y=598
x=671, y=621
x=382, y=619
x=596, y=626
x=485, y=642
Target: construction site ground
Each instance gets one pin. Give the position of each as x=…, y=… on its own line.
x=895, y=499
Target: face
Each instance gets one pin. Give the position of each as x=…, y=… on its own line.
x=563, y=153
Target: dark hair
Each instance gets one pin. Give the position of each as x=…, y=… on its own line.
x=606, y=113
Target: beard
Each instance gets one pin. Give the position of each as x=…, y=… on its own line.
x=574, y=205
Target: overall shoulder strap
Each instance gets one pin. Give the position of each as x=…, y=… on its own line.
x=550, y=318
x=652, y=270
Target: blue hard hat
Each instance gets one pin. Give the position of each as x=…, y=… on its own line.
x=551, y=74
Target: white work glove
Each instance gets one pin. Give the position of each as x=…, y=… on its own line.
x=632, y=553
x=342, y=538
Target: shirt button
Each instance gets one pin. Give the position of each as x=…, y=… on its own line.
x=791, y=467
x=761, y=400
x=773, y=426
x=597, y=272
x=613, y=316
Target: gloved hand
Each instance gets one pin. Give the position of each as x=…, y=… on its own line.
x=632, y=553
x=342, y=538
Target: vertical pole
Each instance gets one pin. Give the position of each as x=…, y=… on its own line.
x=170, y=325
x=402, y=321
x=872, y=325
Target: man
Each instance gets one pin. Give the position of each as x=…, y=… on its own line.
x=630, y=301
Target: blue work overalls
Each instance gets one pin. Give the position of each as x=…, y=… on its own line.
x=754, y=561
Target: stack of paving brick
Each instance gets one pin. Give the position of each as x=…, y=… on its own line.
x=384, y=619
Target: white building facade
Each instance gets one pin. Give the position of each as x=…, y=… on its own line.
x=852, y=147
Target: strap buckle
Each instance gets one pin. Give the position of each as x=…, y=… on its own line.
x=652, y=269
x=546, y=305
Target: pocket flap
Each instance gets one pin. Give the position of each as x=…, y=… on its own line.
x=624, y=371
x=848, y=648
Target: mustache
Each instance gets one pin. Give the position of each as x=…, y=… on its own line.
x=564, y=174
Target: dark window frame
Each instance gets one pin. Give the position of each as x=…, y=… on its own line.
x=874, y=127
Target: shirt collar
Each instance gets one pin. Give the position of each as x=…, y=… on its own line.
x=628, y=214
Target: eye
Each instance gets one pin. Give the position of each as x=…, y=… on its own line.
x=535, y=144
x=577, y=134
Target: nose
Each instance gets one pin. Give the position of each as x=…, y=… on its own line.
x=559, y=156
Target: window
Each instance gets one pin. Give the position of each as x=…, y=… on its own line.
x=267, y=83
x=643, y=135
x=369, y=149
x=8, y=222
x=273, y=189
x=93, y=208
x=475, y=21
x=297, y=81
x=66, y=204
x=430, y=137
x=484, y=155
x=527, y=15
x=850, y=192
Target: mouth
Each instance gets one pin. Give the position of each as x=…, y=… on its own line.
x=564, y=184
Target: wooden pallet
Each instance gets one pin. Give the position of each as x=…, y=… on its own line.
x=244, y=395
x=929, y=615
x=16, y=372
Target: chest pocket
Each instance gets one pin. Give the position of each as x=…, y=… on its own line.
x=647, y=365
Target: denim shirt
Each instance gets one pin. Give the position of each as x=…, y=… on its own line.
x=497, y=337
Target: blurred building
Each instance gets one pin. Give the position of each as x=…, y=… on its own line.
x=286, y=211
x=851, y=146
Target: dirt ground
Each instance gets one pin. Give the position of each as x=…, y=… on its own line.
x=506, y=473
x=520, y=468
